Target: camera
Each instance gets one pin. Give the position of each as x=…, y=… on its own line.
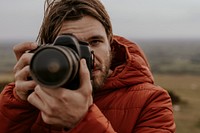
x=57, y=64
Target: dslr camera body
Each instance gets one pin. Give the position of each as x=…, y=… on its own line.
x=57, y=64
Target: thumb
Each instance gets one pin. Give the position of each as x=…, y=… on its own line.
x=84, y=72
x=84, y=75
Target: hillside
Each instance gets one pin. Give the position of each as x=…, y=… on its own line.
x=173, y=57
x=165, y=56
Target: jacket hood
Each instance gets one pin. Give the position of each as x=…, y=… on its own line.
x=129, y=65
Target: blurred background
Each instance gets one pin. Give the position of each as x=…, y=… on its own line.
x=167, y=31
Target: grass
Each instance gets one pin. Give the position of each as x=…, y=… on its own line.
x=5, y=79
x=186, y=113
x=186, y=87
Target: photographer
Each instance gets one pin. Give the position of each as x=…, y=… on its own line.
x=118, y=95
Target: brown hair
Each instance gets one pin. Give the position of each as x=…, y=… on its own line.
x=58, y=11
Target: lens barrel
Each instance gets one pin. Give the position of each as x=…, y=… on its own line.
x=54, y=66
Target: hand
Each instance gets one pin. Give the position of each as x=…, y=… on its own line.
x=21, y=70
x=61, y=106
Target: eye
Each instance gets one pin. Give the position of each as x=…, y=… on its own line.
x=95, y=42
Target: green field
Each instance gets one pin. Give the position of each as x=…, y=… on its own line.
x=187, y=111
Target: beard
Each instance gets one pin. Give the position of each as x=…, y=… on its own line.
x=99, y=80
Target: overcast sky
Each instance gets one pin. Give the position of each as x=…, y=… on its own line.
x=21, y=19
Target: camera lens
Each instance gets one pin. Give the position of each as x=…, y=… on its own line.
x=54, y=66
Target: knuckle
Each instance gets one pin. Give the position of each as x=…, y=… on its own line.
x=46, y=118
x=51, y=110
x=52, y=106
x=15, y=68
x=63, y=97
x=15, y=48
x=23, y=73
x=48, y=112
x=32, y=84
x=26, y=70
x=37, y=90
x=18, y=85
x=25, y=57
x=16, y=75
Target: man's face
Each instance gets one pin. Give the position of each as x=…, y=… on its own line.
x=92, y=31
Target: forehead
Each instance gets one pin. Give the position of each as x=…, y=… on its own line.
x=83, y=28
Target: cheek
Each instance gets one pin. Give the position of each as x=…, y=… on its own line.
x=102, y=55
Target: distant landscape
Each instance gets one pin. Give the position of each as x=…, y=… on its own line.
x=165, y=56
x=7, y=59
x=173, y=56
x=175, y=65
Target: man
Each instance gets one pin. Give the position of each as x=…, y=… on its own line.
x=121, y=97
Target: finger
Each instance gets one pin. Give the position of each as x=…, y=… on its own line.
x=41, y=100
x=57, y=121
x=23, y=74
x=25, y=85
x=23, y=61
x=84, y=72
x=36, y=100
x=20, y=49
x=21, y=79
x=24, y=88
x=53, y=120
x=84, y=77
x=57, y=93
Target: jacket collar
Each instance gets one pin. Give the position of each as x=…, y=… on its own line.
x=129, y=65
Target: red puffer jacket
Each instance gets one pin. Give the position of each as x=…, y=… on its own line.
x=128, y=102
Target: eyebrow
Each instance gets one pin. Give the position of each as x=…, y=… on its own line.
x=95, y=37
x=85, y=41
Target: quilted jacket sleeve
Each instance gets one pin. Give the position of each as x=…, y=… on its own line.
x=94, y=121
x=15, y=116
x=157, y=114
x=21, y=117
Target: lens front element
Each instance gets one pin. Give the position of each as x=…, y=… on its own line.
x=51, y=66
